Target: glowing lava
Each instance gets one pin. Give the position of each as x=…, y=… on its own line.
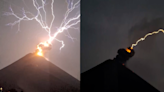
x=128, y=50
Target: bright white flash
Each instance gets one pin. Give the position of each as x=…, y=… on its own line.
x=66, y=23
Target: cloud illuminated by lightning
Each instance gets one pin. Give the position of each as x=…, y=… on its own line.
x=149, y=34
x=64, y=26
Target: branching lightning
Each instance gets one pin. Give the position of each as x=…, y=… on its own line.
x=149, y=34
x=64, y=26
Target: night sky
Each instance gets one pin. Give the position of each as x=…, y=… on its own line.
x=15, y=44
x=108, y=25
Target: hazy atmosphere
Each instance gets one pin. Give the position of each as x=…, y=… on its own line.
x=108, y=25
x=15, y=43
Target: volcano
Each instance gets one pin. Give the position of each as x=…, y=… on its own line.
x=114, y=76
x=33, y=73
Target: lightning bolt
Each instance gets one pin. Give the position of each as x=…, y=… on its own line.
x=149, y=34
x=64, y=26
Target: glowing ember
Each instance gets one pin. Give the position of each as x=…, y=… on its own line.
x=40, y=54
x=128, y=50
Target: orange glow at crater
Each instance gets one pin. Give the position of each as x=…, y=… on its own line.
x=128, y=50
x=42, y=46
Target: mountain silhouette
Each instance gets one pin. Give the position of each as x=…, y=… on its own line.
x=33, y=73
x=113, y=76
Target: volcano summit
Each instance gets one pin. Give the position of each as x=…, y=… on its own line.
x=33, y=73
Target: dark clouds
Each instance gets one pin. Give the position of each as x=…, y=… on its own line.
x=108, y=25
